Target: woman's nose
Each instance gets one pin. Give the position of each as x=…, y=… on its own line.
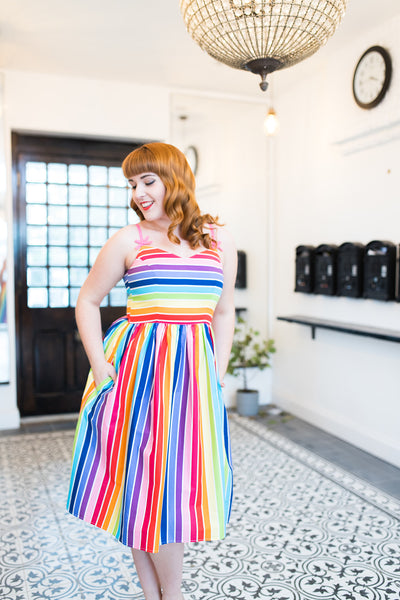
x=140, y=190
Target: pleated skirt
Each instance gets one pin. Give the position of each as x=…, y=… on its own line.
x=152, y=460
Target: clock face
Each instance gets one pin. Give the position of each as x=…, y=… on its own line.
x=372, y=77
x=192, y=158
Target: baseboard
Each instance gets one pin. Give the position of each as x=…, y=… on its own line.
x=50, y=418
x=384, y=449
x=10, y=420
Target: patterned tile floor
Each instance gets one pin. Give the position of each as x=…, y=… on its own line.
x=378, y=472
x=302, y=528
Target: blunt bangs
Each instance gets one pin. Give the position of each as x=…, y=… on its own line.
x=141, y=160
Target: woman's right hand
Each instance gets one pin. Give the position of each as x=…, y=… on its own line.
x=102, y=372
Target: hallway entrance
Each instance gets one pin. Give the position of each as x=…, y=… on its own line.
x=70, y=196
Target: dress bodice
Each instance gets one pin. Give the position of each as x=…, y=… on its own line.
x=165, y=287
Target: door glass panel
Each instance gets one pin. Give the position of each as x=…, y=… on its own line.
x=77, y=194
x=56, y=173
x=36, y=236
x=36, y=256
x=132, y=217
x=36, y=276
x=116, y=177
x=118, y=297
x=78, y=215
x=78, y=275
x=78, y=236
x=72, y=209
x=58, y=215
x=98, y=236
x=97, y=175
x=58, y=236
x=59, y=297
x=118, y=198
x=77, y=174
x=98, y=196
x=78, y=257
x=35, y=192
x=57, y=194
x=36, y=214
x=58, y=276
x=73, y=295
x=36, y=172
x=58, y=256
x=97, y=215
x=117, y=216
x=37, y=297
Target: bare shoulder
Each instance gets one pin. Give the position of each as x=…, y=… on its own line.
x=126, y=232
x=121, y=242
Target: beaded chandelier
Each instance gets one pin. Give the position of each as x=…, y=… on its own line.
x=261, y=36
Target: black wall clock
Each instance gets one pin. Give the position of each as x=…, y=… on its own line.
x=372, y=77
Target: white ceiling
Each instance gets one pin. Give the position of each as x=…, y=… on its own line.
x=134, y=40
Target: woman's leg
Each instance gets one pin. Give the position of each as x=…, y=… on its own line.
x=147, y=574
x=169, y=563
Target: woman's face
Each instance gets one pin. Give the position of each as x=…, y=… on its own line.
x=148, y=192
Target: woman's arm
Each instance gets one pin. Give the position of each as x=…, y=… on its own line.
x=224, y=316
x=108, y=269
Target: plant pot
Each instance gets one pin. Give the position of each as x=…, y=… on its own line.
x=247, y=402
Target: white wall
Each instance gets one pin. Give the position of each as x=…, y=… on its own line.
x=338, y=180
x=72, y=107
x=232, y=178
x=232, y=183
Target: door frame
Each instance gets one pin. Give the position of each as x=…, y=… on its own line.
x=38, y=147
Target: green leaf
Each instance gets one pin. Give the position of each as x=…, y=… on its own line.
x=248, y=351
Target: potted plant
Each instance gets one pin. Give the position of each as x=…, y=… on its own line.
x=248, y=353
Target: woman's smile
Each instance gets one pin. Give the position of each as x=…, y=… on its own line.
x=146, y=204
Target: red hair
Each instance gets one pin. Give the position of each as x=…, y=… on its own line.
x=180, y=204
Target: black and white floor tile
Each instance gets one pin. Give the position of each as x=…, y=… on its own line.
x=301, y=529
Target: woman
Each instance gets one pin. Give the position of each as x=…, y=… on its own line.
x=151, y=458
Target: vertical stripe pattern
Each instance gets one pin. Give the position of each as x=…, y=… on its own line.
x=151, y=460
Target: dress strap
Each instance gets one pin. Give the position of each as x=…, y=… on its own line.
x=214, y=236
x=141, y=240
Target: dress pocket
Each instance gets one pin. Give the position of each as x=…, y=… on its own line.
x=105, y=383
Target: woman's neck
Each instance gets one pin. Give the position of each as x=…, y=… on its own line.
x=159, y=226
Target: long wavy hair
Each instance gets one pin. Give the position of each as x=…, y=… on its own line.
x=180, y=204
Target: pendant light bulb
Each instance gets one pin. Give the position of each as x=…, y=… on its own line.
x=271, y=123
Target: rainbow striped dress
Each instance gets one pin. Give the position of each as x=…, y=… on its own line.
x=151, y=461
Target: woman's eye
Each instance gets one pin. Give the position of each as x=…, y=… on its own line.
x=146, y=182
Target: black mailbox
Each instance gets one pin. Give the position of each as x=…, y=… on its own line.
x=350, y=270
x=398, y=277
x=379, y=270
x=325, y=270
x=304, y=269
x=241, y=277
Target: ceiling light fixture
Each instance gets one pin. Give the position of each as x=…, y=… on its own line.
x=271, y=123
x=261, y=36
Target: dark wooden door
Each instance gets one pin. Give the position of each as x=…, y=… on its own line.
x=70, y=196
